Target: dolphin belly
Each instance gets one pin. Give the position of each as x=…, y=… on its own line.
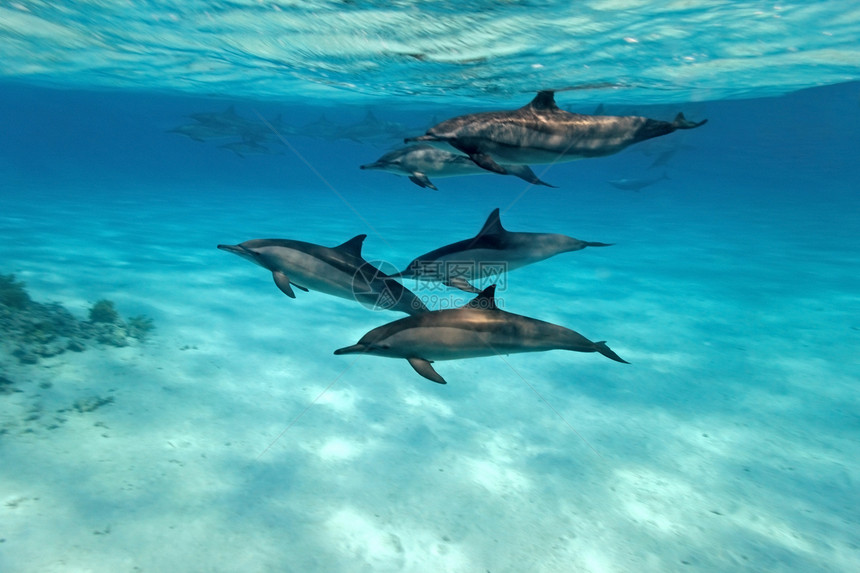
x=313, y=273
x=442, y=343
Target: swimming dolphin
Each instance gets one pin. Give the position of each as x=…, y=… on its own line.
x=249, y=146
x=339, y=271
x=476, y=329
x=541, y=132
x=492, y=251
x=634, y=184
x=421, y=161
x=200, y=132
x=372, y=129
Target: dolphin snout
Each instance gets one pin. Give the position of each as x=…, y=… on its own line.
x=237, y=249
x=351, y=349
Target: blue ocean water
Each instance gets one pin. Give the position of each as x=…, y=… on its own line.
x=231, y=438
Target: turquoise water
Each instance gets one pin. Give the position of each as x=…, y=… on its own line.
x=230, y=438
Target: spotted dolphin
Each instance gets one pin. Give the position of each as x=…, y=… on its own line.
x=541, y=132
x=339, y=271
x=478, y=328
x=492, y=251
x=420, y=162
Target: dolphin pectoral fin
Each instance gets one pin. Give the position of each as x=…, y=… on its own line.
x=283, y=283
x=300, y=287
x=484, y=161
x=461, y=284
x=525, y=173
x=422, y=180
x=607, y=352
x=424, y=368
x=682, y=122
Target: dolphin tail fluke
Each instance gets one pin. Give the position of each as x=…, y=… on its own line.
x=607, y=352
x=425, y=369
x=682, y=122
x=525, y=173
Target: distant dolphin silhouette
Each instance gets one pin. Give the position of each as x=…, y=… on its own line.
x=476, y=329
x=201, y=132
x=339, y=271
x=635, y=184
x=249, y=146
x=420, y=162
x=541, y=132
x=492, y=251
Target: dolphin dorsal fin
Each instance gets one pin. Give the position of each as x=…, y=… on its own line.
x=486, y=300
x=544, y=100
x=493, y=226
x=352, y=246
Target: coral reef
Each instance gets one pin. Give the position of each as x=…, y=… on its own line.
x=104, y=311
x=12, y=293
x=30, y=330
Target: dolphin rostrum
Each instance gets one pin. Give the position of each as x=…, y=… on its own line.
x=476, y=329
x=339, y=271
x=420, y=162
x=541, y=132
x=492, y=251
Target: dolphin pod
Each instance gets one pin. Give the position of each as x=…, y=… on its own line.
x=541, y=132
x=479, y=328
x=503, y=142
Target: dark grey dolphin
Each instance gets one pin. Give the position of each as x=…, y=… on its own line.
x=339, y=271
x=489, y=253
x=419, y=162
x=541, y=132
x=476, y=329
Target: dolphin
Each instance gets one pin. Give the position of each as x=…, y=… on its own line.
x=322, y=128
x=421, y=161
x=634, y=184
x=476, y=329
x=249, y=146
x=339, y=271
x=541, y=132
x=492, y=251
x=226, y=117
x=372, y=129
x=201, y=132
x=228, y=123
